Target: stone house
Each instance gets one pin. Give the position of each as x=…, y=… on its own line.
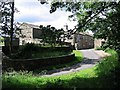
x=29, y=33
x=83, y=41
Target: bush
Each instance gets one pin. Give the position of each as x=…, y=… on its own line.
x=31, y=50
x=108, y=63
x=99, y=48
x=30, y=47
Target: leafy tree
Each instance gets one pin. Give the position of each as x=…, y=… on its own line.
x=60, y=36
x=100, y=17
x=103, y=18
x=51, y=35
x=7, y=10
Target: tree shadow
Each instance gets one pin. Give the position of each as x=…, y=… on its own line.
x=74, y=67
x=77, y=82
x=74, y=83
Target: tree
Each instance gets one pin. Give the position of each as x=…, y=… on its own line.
x=100, y=17
x=103, y=18
x=7, y=10
x=51, y=35
x=111, y=28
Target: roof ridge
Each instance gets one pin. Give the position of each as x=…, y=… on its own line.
x=29, y=24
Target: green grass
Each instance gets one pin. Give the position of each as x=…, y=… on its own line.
x=98, y=48
x=95, y=77
x=38, y=54
x=49, y=54
x=23, y=79
x=108, y=64
x=57, y=45
x=78, y=55
x=78, y=59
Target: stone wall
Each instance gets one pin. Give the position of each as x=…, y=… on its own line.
x=32, y=64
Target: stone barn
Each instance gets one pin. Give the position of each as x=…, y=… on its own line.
x=29, y=33
x=83, y=41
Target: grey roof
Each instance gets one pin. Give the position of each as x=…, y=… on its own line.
x=30, y=25
x=84, y=33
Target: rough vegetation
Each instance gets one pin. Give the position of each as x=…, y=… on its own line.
x=100, y=76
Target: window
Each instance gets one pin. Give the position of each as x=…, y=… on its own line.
x=36, y=33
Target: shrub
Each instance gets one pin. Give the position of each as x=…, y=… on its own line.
x=30, y=47
x=31, y=50
x=99, y=48
x=108, y=63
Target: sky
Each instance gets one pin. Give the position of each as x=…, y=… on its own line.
x=31, y=11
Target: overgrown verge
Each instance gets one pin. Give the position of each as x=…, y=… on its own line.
x=109, y=69
x=108, y=63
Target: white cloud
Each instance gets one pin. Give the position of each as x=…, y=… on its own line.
x=33, y=12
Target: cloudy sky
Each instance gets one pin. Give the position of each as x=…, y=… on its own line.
x=31, y=11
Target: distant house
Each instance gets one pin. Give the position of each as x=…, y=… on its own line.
x=83, y=41
x=29, y=33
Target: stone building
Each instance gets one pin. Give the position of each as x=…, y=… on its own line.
x=83, y=41
x=29, y=33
